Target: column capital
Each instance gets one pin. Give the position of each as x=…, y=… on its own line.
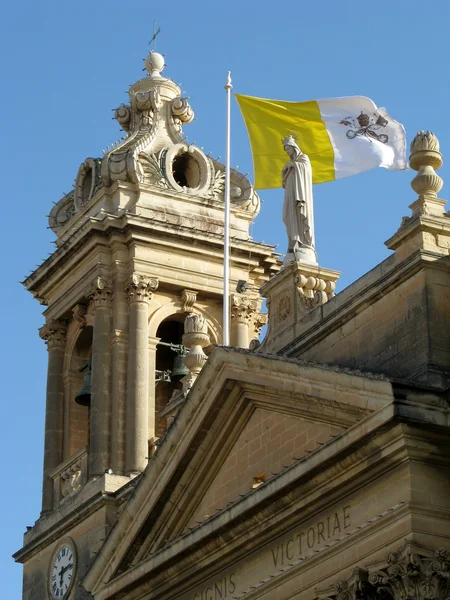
x=100, y=292
x=140, y=288
x=410, y=572
x=243, y=307
x=259, y=320
x=54, y=333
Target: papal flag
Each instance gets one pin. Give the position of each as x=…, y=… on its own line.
x=341, y=136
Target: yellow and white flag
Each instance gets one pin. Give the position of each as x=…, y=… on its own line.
x=341, y=136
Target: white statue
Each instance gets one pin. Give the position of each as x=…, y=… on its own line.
x=298, y=215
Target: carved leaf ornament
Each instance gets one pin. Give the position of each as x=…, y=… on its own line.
x=410, y=574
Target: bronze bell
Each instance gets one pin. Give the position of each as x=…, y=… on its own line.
x=84, y=395
x=179, y=370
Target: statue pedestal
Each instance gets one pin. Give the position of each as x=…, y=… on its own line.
x=291, y=294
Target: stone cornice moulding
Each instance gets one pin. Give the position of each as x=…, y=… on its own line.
x=42, y=279
x=95, y=496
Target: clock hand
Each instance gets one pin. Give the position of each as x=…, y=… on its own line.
x=62, y=572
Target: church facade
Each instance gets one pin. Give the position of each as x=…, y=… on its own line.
x=315, y=465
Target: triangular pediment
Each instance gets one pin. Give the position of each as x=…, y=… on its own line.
x=248, y=419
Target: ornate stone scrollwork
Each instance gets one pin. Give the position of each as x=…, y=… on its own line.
x=217, y=185
x=54, y=333
x=410, y=573
x=140, y=288
x=314, y=291
x=259, y=321
x=71, y=480
x=243, y=307
x=87, y=181
x=100, y=292
x=189, y=298
x=182, y=110
x=62, y=212
x=122, y=114
x=79, y=314
x=151, y=168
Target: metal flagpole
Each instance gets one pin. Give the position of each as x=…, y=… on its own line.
x=226, y=252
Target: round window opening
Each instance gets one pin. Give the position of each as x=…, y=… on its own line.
x=186, y=170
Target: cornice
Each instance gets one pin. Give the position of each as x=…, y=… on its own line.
x=73, y=517
x=136, y=228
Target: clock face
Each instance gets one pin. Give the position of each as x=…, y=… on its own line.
x=62, y=572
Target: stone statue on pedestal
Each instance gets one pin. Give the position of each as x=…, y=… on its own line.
x=298, y=215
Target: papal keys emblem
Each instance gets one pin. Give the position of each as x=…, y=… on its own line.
x=366, y=126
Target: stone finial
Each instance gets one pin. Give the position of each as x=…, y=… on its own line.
x=195, y=338
x=154, y=64
x=424, y=140
x=425, y=158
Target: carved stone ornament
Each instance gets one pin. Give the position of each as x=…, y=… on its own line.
x=259, y=321
x=314, y=291
x=79, y=314
x=411, y=573
x=54, y=334
x=100, y=292
x=243, y=307
x=87, y=182
x=195, y=338
x=140, y=288
x=71, y=480
x=189, y=298
x=62, y=212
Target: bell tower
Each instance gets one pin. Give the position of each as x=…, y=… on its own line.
x=139, y=246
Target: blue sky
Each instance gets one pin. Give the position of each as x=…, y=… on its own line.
x=67, y=64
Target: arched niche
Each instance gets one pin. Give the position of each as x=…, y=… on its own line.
x=175, y=310
x=170, y=331
x=77, y=416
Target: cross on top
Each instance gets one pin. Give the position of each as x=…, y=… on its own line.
x=155, y=33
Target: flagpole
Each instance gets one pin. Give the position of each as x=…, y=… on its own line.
x=226, y=233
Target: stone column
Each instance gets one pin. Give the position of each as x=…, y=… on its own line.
x=119, y=341
x=242, y=308
x=140, y=290
x=100, y=409
x=54, y=334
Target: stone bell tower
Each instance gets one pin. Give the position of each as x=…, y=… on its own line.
x=139, y=247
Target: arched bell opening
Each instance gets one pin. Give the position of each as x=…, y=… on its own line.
x=79, y=392
x=170, y=367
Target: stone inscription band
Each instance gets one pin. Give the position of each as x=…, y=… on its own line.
x=290, y=549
